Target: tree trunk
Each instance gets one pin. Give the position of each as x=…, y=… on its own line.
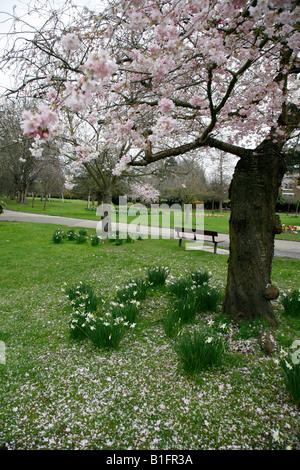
x=253, y=225
x=22, y=196
x=45, y=201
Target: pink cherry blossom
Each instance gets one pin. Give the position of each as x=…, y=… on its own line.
x=39, y=123
x=99, y=65
x=166, y=106
x=121, y=165
x=70, y=41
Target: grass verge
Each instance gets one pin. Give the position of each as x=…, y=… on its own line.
x=58, y=393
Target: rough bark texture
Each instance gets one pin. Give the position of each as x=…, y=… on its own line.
x=253, y=225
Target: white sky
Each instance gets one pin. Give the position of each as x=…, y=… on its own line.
x=21, y=8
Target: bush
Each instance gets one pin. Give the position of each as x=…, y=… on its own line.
x=83, y=232
x=95, y=240
x=198, y=351
x=57, y=236
x=116, y=240
x=292, y=378
x=2, y=206
x=291, y=303
x=157, y=276
x=128, y=239
x=81, y=238
x=71, y=234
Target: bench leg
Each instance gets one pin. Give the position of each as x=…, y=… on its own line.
x=180, y=240
x=215, y=248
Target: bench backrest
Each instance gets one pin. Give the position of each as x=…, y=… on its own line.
x=195, y=231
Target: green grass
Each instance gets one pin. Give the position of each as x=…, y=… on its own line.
x=56, y=393
x=78, y=209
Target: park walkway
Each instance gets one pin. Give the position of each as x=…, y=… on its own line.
x=283, y=248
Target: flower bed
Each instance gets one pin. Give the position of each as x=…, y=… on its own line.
x=291, y=229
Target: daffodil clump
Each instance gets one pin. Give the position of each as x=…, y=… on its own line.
x=290, y=365
x=291, y=302
x=200, y=350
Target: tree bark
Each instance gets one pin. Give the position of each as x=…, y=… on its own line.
x=253, y=225
x=22, y=196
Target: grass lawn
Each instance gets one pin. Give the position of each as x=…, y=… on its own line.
x=78, y=209
x=58, y=393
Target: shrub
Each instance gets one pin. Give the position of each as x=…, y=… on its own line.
x=119, y=241
x=106, y=331
x=128, y=239
x=83, y=232
x=292, y=378
x=57, y=236
x=95, y=240
x=2, y=206
x=291, y=303
x=81, y=237
x=82, y=297
x=71, y=234
x=198, y=351
x=157, y=276
x=116, y=239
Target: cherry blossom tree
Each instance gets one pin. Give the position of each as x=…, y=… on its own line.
x=145, y=192
x=174, y=76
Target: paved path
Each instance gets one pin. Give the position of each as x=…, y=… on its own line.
x=283, y=248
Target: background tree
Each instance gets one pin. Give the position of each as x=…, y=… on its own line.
x=219, y=184
x=50, y=177
x=18, y=165
x=183, y=182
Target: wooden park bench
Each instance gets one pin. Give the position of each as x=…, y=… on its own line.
x=207, y=233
